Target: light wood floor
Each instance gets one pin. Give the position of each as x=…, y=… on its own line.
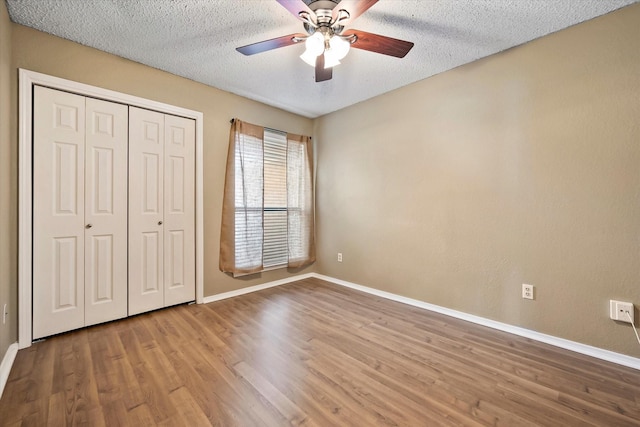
x=310, y=353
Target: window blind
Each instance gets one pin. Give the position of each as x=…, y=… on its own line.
x=248, y=201
x=275, y=199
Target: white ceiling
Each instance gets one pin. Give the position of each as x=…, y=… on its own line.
x=196, y=39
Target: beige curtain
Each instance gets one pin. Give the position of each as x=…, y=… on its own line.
x=300, y=201
x=242, y=232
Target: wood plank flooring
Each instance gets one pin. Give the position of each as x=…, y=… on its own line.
x=310, y=353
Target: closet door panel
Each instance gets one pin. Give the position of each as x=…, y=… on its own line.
x=105, y=211
x=179, y=210
x=146, y=203
x=58, y=211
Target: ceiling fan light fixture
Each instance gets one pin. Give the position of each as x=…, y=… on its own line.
x=309, y=58
x=339, y=46
x=330, y=59
x=314, y=44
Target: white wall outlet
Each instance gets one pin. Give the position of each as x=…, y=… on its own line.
x=621, y=311
x=339, y=256
x=527, y=291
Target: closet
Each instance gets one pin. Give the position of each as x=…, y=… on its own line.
x=113, y=211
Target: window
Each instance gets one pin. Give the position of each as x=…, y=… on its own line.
x=268, y=205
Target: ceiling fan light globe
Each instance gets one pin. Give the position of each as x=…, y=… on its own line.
x=309, y=58
x=314, y=44
x=330, y=59
x=339, y=46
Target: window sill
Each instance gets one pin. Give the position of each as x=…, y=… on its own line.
x=274, y=267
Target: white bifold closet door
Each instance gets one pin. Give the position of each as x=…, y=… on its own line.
x=79, y=211
x=161, y=210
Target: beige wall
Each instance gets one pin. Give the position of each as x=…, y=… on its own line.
x=37, y=51
x=8, y=183
x=523, y=167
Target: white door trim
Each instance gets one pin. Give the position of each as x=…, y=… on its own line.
x=25, y=156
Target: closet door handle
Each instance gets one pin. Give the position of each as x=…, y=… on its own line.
x=88, y=226
x=159, y=222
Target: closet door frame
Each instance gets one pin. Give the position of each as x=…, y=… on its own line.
x=27, y=80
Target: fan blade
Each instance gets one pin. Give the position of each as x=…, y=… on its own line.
x=295, y=7
x=322, y=73
x=380, y=44
x=354, y=7
x=263, y=46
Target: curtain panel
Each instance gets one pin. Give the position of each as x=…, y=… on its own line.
x=243, y=210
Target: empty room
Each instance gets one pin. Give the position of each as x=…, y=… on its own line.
x=320, y=212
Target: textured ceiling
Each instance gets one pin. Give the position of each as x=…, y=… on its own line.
x=196, y=39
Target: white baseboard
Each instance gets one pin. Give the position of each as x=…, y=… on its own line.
x=7, y=363
x=231, y=294
x=609, y=356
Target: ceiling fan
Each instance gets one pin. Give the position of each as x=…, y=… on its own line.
x=326, y=40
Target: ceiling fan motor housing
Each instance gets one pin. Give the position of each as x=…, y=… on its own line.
x=323, y=10
x=322, y=4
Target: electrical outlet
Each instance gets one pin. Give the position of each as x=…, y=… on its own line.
x=4, y=314
x=339, y=256
x=527, y=291
x=618, y=311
